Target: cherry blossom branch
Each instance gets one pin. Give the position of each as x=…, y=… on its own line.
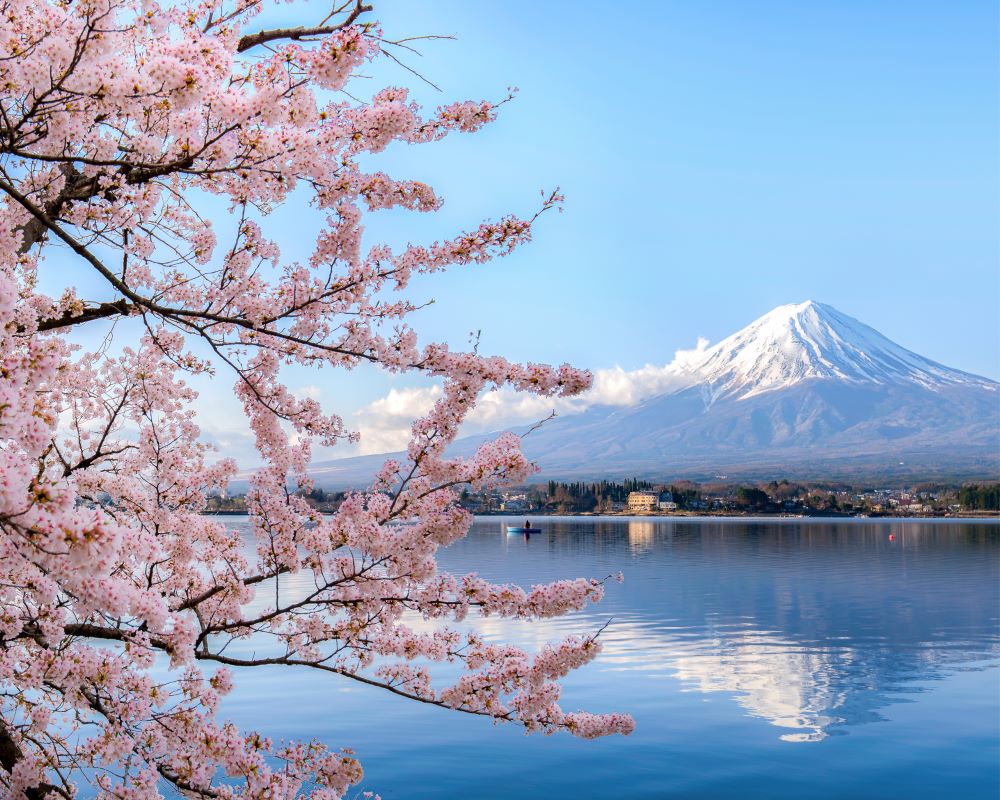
x=11, y=754
x=295, y=34
x=114, y=125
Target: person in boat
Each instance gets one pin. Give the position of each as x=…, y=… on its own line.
x=527, y=524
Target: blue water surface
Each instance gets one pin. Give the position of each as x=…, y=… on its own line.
x=760, y=659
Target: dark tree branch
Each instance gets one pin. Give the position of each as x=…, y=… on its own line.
x=100, y=311
x=295, y=34
x=10, y=754
x=77, y=187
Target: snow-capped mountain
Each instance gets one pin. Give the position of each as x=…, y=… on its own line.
x=813, y=341
x=804, y=391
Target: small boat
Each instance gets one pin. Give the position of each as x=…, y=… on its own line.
x=519, y=529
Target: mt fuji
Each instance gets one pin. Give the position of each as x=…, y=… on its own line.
x=810, y=341
x=805, y=391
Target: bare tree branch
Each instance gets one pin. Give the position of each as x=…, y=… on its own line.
x=302, y=31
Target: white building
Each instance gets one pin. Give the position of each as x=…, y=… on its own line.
x=642, y=501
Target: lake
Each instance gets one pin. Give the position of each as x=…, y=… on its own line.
x=760, y=658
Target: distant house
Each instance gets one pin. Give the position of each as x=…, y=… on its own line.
x=643, y=501
x=666, y=502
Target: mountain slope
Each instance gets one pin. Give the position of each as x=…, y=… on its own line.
x=803, y=391
x=813, y=341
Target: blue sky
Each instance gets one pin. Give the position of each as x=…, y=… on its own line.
x=719, y=159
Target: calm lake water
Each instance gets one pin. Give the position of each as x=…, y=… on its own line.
x=760, y=658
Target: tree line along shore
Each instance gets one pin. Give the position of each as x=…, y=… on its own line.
x=688, y=498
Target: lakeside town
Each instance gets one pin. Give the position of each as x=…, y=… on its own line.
x=686, y=498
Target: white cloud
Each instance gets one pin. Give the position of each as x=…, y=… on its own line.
x=308, y=393
x=229, y=443
x=618, y=387
x=385, y=423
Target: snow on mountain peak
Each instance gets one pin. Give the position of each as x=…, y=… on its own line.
x=810, y=340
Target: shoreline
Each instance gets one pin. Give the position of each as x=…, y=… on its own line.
x=985, y=516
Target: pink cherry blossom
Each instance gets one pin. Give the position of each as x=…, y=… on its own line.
x=117, y=119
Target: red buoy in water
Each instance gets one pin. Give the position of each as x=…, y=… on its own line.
x=892, y=537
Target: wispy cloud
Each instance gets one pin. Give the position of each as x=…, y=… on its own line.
x=385, y=423
x=308, y=393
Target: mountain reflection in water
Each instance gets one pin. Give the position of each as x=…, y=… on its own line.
x=729, y=640
x=812, y=626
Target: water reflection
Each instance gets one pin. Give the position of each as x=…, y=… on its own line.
x=640, y=535
x=774, y=679
x=729, y=640
x=813, y=627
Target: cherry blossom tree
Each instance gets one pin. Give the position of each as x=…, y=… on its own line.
x=124, y=125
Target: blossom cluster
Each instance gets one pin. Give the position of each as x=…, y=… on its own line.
x=118, y=118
